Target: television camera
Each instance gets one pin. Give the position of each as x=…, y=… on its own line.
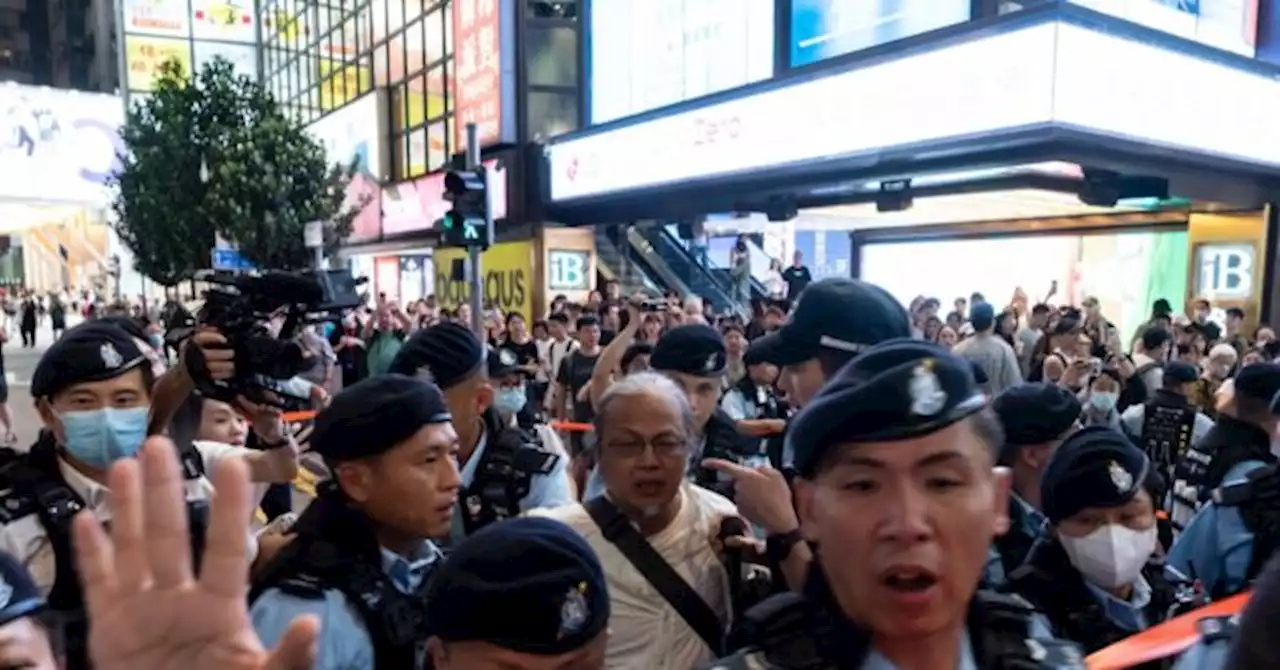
x=242, y=307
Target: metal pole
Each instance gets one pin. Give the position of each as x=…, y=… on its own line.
x=473, y=253
x=319, y=260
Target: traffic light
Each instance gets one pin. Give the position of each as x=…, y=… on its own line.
x=467, y=223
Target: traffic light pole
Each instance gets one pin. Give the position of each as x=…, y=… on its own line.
x=473, y=252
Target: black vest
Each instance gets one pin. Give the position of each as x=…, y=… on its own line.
x=1015, y=545
x=334, y=548
x=1056, y=588
x=722, y=441
x=33, y=486
x=807, y=632
x=1168, y=421
x=504, y=475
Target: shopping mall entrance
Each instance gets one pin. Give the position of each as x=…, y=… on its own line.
x=1047, y=124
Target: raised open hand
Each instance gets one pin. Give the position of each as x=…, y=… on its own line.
x=146, y=610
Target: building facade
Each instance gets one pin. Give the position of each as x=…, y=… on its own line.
x=58, y=43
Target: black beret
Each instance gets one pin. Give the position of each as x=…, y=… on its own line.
x=536, y=567
x=840, y=314
x=374, y=415
x=1035, y=413
x=694, y=348
x=19, y=596
x=90, y=352
x=445, y=354
x=896, y=390
x=1178, y=371
x=502, y=362
x=1096, y=466
x=1260, y=381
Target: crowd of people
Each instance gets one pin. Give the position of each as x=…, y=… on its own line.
x=829, y=480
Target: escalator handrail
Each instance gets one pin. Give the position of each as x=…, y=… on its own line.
x=660, y=235
x=645, y=253
x=758, y=270
x=647, y=281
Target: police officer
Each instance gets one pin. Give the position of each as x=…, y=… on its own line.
x=754, y=405
x=693, y=356
x=511, y=399
x=24, y=640
x=505, y=470
x=359, y=556
x=93, y=392
x=834, y=320
x=1036, y=417
x=1167, y=424
x=1240, y=441
x=538, y=567
x=898, y=488
x=1095, y=574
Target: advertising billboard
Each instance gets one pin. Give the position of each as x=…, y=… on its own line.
x=1051, y=73
x=61, y=146
x=352, y=135
x=646, y=55
x=484, y=70
x=192, y=32
x=1231, y=25
x=822, y=29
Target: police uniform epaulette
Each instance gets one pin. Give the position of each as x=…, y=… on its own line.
x=306, y=586
x=1259, y=483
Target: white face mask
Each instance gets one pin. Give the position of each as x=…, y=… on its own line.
x=1111, y=556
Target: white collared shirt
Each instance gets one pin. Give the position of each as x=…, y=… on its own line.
x=26, y=539
x=645, y=630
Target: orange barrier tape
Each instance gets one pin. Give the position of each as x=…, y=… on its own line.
x=1167, y=639
x=572, y=427
x=294, y=417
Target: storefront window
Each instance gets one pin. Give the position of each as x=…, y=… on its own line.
x=551, y=114
x=553, y=55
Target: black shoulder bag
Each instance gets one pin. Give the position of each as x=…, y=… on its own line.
x=687, y=602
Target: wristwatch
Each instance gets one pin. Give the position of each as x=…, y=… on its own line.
x=778, y=546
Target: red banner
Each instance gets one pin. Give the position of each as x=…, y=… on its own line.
x=477, y=80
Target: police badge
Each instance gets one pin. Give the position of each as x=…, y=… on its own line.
x=712, y=364
x=573, y=612
x=111, y=358
x=1120, y=477
x=927, y=396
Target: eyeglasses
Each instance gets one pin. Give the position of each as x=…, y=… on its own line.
x=663, y=447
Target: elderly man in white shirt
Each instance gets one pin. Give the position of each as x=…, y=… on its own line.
x=646, y=430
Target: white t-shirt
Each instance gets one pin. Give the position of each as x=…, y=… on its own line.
x=645, y=631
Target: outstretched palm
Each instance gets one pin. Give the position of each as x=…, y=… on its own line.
x=146, y=610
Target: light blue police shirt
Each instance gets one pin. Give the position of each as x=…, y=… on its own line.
x=344, y=642
x=1127, y=615
x=550, y=490
x=1204, y=656
x=1216, y=546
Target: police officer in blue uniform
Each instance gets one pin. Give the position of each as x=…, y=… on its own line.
x=898, y=487
x=505, y=469
x=1036, y=417
x=1229, y=540
x=1240, y=441
x=359, y=556
x=537, y=567
x=1095, y=574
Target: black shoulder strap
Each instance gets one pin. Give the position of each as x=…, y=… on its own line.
x=687, y=602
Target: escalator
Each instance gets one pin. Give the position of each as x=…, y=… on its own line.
x=696, y=279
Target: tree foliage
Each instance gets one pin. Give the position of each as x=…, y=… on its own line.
x=216, y=155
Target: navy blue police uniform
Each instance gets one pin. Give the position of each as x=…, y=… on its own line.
x=1032, y=414
x=1099, y=467
x=896, y=391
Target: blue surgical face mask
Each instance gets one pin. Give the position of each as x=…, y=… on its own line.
x=100, y=437
x=1103, y=401
x=510, y=401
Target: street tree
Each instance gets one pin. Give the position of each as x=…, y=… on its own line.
x=217, y=155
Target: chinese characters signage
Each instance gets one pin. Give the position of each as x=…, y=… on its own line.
x=484, y=71
x=192, y=32
x=145, y=55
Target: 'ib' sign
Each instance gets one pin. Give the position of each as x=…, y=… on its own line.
x=1225, y=271
x=568, y=271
